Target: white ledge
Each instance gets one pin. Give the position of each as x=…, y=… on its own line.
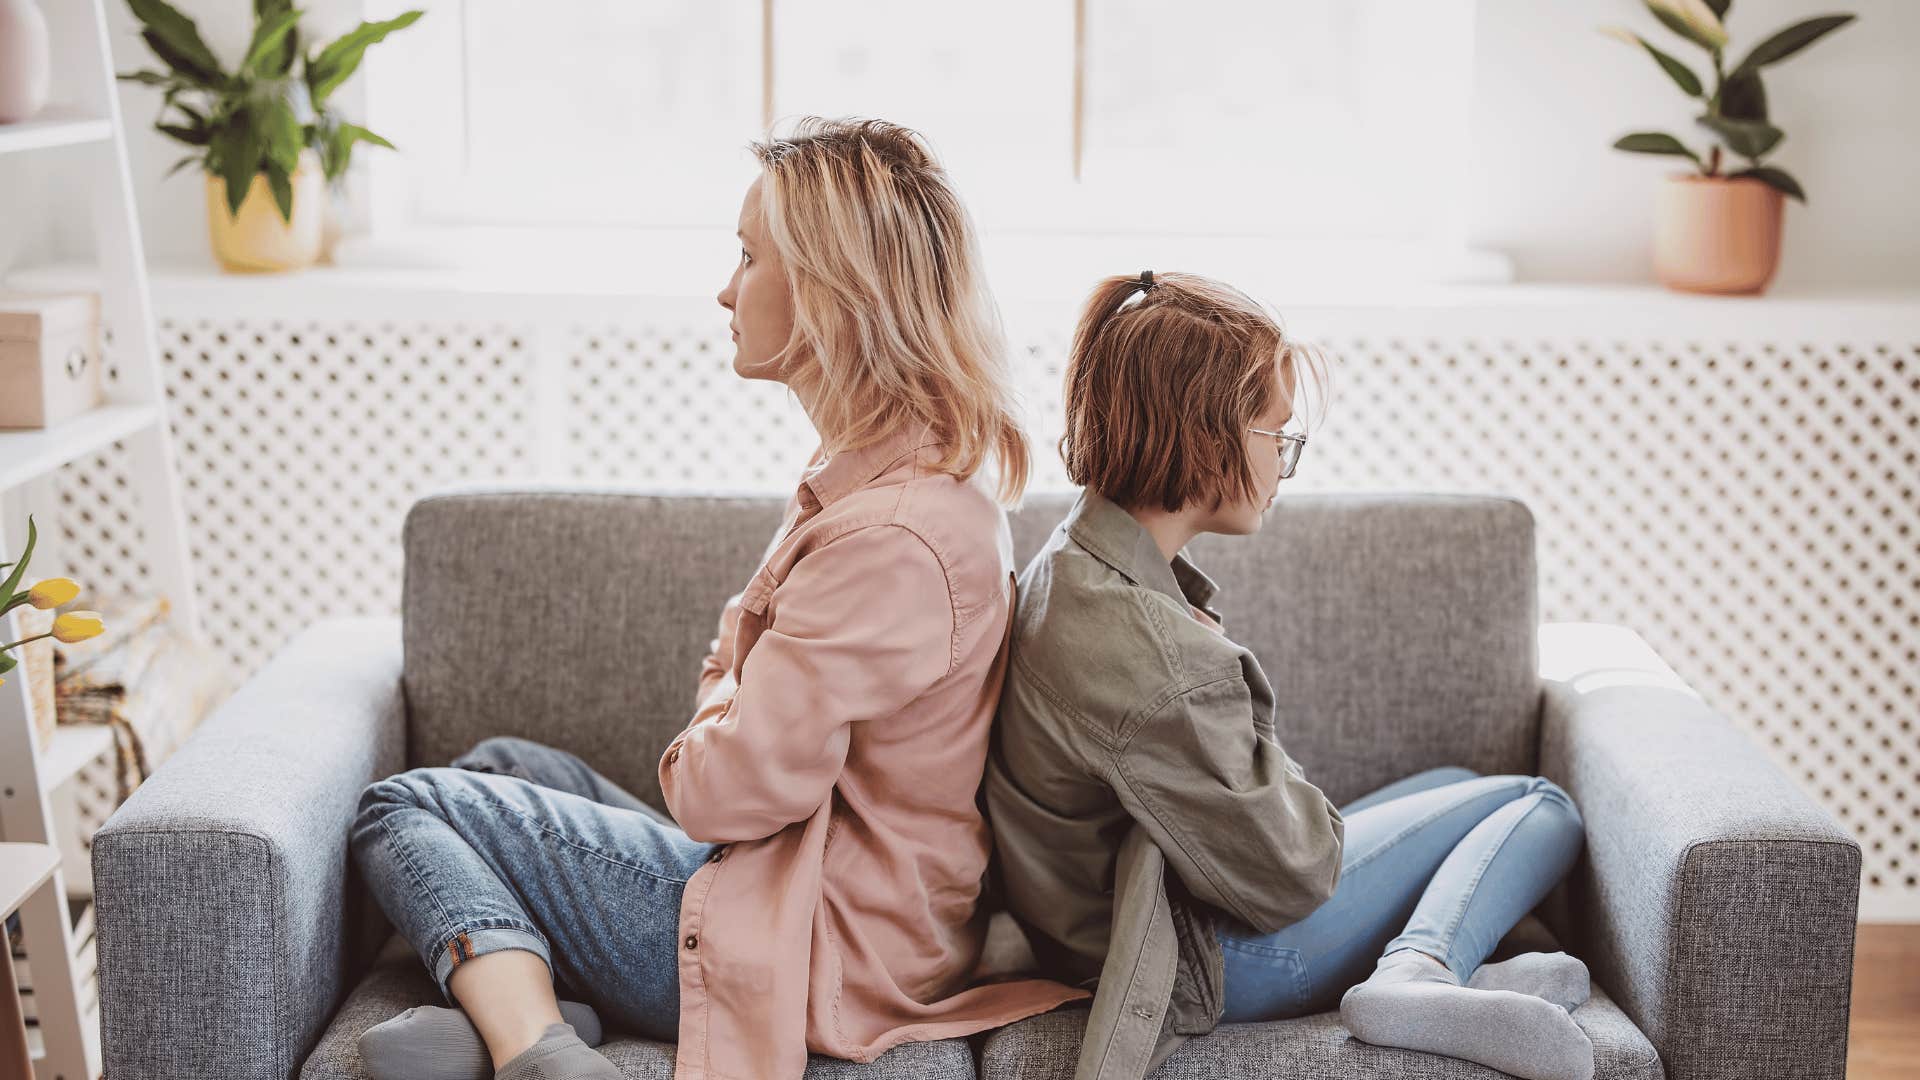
x=1889, y=316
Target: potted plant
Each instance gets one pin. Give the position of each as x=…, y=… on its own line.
x=262, y=133
x=1719, y=232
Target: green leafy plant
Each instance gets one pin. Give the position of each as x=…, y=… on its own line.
x=258, y=117
x=1736, y=109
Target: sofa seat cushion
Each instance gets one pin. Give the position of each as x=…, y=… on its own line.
x=397, y=981
x=1045, y=1047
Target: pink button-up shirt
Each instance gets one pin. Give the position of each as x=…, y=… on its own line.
x=837, y=748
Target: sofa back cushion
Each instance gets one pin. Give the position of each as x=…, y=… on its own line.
x=1398, y=629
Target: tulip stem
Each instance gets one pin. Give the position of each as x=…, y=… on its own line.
x=24, y=640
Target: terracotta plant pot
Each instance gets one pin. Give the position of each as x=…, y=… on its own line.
x=1715, y=234
x=258, y=240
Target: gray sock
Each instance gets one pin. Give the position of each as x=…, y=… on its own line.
x=1413, y=1001
x=431, y=1042
x=1555, y=976
x=559, y=1055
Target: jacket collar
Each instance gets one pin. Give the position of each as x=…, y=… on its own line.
x=1118, y=539
x=826, y=482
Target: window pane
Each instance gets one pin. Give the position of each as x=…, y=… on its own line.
x=1211, y=119
x=989, y=83
x=1314, y=115
x=615, y=110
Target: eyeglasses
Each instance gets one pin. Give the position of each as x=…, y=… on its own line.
x=1290, y=445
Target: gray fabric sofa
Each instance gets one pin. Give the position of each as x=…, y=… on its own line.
x=1715, y=903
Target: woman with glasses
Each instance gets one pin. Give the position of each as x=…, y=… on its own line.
x=1149, y=826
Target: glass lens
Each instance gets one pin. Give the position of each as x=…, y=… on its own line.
x=1289, y=456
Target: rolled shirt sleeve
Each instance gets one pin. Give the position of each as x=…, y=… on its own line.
x=860, y=627
x=1232, y=813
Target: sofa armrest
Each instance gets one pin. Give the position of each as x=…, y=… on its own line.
x=1716, y=901
x=228, y=916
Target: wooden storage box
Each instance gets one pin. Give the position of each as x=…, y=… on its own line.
x=50, y=362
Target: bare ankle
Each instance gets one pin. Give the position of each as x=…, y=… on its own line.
x=509, y=996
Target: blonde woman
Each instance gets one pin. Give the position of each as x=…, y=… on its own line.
x=817, y=886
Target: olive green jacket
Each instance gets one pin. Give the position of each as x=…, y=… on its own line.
x=1133, y=739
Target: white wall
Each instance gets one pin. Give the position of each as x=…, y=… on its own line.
x=1551, y=95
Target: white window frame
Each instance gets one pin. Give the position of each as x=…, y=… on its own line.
x=1093, y=220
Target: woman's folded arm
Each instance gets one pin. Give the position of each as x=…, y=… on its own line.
x=859, y=628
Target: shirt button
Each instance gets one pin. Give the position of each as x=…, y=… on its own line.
x=673, y=755
x=693, y=941
x=1143, y=1010
x=718, y=853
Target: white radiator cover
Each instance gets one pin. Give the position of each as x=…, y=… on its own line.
x=1732, y=479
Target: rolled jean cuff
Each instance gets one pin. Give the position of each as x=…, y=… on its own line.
x=479, y=939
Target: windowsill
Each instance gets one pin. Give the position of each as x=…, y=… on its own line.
x=502, y=273
x=1022, y=266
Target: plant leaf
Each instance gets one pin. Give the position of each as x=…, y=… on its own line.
x=195, y=132
x=282, y=188
x=1670, y=13
x=186, y=67
x=1790, y=41
x=1748, y=138
x=1776, y=177
x=269, y=41
x=175, y=39
x=1654, y=142
x=188, y=135
x=237, y=150
x=339, y=60
x=280, y=133
x=147, y=78
x=277, y=63
x=341, y=146
x=181, y=164
x=1742, y=97
x=1681, y=74
x=19, y=568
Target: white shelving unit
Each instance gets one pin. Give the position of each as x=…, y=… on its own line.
x=80, y=140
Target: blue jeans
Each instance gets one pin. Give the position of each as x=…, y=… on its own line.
x=1445, y=861
x=518, y=845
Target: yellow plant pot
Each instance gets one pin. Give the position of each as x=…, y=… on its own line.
x=1716, y=234
x=257, y=240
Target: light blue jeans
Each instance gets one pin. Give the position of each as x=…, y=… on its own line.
x=1445, y=861
x=519, y=845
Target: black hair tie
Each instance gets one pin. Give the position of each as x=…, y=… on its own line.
x=1146, y=279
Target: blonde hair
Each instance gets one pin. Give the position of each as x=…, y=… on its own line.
x=1160, y=389
x=893, y=320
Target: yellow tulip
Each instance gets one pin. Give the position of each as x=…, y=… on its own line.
x=77, y=626
x=53, y=592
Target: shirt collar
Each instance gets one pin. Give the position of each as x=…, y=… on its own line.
x=1118, y=539
x=825, y=482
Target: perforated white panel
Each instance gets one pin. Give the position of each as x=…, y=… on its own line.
x=1749, y=509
